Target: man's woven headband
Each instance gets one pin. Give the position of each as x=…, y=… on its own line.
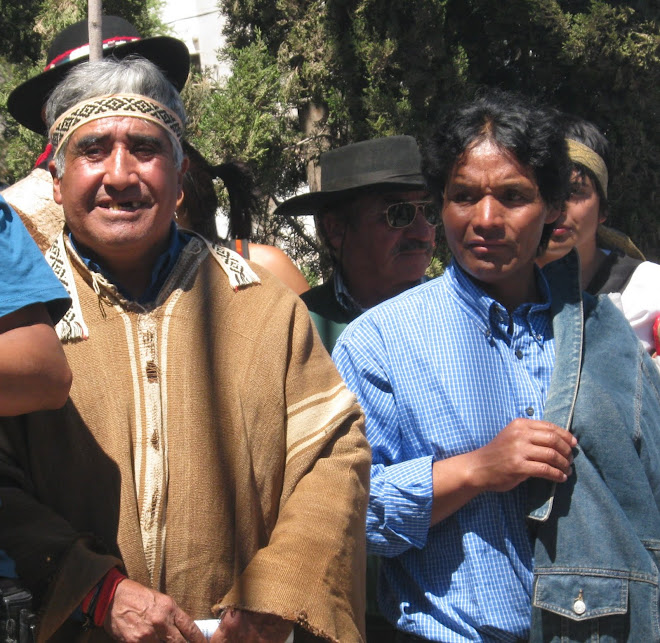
x=584, y=155
x=132, y=105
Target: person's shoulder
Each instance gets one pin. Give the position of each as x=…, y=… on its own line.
x=647, y=270
x=614, y=274
x=390, y=317
x=322, y=301
x=319, y=293
x=417, y=297
x=32, y=198
x=280, y=264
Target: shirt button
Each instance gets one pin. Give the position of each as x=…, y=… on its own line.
x=519, y=353
x=529, y=410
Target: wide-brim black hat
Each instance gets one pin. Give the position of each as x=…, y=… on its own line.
x=71, y=47
x=390, y=163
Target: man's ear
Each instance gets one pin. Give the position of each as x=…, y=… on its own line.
x=57, y=194
x=185, y=164
x=335, y=228
x=179, y=199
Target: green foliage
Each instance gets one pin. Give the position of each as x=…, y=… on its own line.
x=250, y=117
x=28, y=28
x=389, y=66
x=18, y=38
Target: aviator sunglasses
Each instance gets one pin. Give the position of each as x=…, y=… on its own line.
x=401, y=215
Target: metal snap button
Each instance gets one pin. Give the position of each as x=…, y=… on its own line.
x=579, y=606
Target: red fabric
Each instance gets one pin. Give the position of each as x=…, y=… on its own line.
x=63, y=57
x=44, y=155
x=656, y=334
x=106, y=594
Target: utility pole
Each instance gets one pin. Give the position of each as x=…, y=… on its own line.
x=94, y=19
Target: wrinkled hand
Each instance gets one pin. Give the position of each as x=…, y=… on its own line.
x=524, y=449
x=239, y=626
x=138, y=614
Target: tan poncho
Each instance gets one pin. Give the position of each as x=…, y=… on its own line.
x=208, y=444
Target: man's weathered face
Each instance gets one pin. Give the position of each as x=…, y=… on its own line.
x=379, y=261
x=120, y=187
x=493, y=217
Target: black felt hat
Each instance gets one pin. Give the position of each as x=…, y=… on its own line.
x=71, y=46
x=390, y=163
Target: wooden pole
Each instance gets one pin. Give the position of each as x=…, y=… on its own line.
x=94, y=19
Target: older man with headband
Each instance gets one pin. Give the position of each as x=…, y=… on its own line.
x=32, y=196
x=209, y=460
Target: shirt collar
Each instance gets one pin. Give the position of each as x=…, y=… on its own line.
x=534, y=316
x=346, y=300
x=161, y=270
x=343, y=297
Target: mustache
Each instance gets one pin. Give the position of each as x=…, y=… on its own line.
x=414, y=244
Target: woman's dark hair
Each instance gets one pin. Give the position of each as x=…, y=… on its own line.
x=528, y=130
x=588, y=134
x=200, y=200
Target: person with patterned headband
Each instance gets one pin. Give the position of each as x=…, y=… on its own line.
x=32, y=196
x=210, y=461
x=607, y=266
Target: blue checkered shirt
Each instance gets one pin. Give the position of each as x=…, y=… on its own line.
x=439, y=371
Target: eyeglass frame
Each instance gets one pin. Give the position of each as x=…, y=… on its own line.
x=423, y=205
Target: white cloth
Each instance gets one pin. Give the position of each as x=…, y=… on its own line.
x=640, y=301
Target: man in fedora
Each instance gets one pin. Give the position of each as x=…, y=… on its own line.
x=377, y=220
x=32, y=196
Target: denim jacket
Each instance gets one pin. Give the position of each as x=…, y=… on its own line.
x=597, y=547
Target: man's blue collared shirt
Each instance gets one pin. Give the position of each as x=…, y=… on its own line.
x=440, y=370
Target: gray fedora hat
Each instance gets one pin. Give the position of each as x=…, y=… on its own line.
x=390, y=163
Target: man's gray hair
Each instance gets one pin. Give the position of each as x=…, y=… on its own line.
x=130, y=75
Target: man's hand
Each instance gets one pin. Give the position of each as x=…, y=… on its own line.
x=138, y=614
x=238, y=626
x=522, y=449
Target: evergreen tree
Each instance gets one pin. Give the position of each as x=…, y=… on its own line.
x=314, y=74
x=376, y=67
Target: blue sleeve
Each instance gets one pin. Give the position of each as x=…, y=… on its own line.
x=401, y=495
x=26, y=276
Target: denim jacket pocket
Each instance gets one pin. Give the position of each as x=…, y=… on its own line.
x=581, y=596
x=581, y=606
